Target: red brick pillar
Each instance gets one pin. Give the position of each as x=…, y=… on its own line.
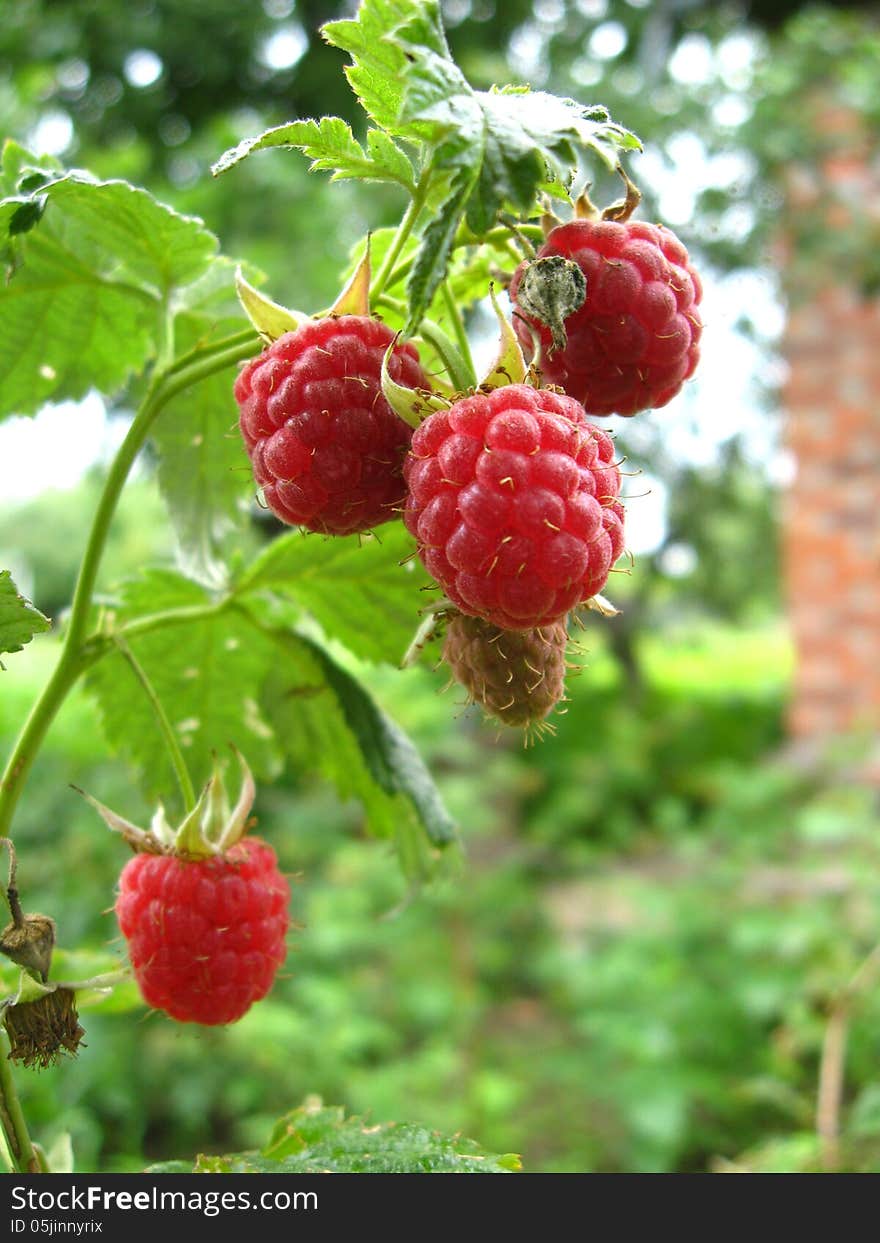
x=831, y=527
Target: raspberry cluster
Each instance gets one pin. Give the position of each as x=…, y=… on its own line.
x=326, y=447
x=635, y=339
x=513, y=501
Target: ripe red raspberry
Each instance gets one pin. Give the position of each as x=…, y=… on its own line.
x=326, y=448
x=518, y=676
x=205, y=936
x=513, y=500
x=635, y=339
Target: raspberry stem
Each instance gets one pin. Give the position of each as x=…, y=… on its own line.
x=458, y=328
x=15, y=1131
x=76, y=654
x=459, y=369
x=417, y=202
x=172, y=746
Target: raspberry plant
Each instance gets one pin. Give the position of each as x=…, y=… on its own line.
x=351, y=418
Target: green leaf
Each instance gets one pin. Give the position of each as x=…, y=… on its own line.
x=316, y=1139
x=23, y=172
x=394, y=763
x=328, y=723
x=355, y=587
x=529, y=132
x=86, y=299
x=225, y=675
x=512, y=139
x=432, y=257
x=204, y=472
x=19, y=620
x=489, y=151
x=206, y=671
x=378, y=64
x=332, y=147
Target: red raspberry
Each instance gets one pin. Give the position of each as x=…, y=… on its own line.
x=326, y=447
x=635, y=339
x=205, y=936
x=513, y=499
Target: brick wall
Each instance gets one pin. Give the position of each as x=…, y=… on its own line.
x=831, y=528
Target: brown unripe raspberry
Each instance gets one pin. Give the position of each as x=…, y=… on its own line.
x=518, y=676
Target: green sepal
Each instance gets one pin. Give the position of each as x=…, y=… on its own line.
x=510, y=366
x=355, y=297
x=211, y=828
x=270, y=319
x=410, y=404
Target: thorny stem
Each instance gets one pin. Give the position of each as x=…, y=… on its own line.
x=832, y=1068
x=175, y=754
x=460, y=370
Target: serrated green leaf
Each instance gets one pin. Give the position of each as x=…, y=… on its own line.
x=328, y=723
x=225, y=675
x=355, y=587
x=88, y=292
x=20, y=168
x=513, y=141
x=206, y=673
x=432, y=258
x=332, y=147
x=385, y=154
x=19, y=620
x=204, y=473
x=316, y=1139
x=394, y=763
x=378, y=64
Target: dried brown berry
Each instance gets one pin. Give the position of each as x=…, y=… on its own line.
x=40, y=1031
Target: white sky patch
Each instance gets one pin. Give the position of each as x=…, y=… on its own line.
x=525, y=49
x=52, y=450
x=284, y=47
x=142, y=68
x=731, y=111
x=595, y=10
x=645, y=499
x=736, y=56
x=52, y=134
x=608, y=40
x=692, y=62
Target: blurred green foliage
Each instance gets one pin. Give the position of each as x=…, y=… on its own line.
x=630, y=973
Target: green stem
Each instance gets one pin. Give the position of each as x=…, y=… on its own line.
x=458, y=329
x=247, y=336
x=77, y=653
x=460, y=370
x=173, y=746
x=18, y=1140
x=416, y=203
